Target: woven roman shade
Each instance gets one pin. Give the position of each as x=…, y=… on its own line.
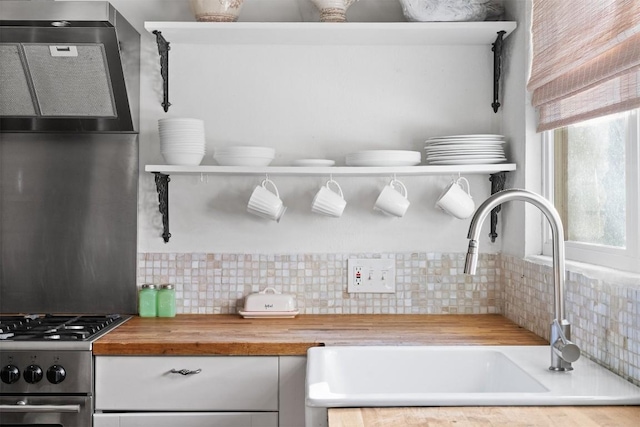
x=586, y=59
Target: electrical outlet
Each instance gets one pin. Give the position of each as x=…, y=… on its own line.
x=376, y=276
x=358, y=276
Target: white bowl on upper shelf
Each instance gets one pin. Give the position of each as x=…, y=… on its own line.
x=383, y=158
x=244, y=156
x=182, y=141
x=182, y=158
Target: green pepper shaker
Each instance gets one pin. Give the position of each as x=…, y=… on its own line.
x=166, y=301
x=147, y=301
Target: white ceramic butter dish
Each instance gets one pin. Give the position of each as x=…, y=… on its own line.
x=269, y=314
x=270, y=301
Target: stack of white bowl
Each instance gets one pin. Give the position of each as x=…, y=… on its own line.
x=182, y=141
x=244, y=156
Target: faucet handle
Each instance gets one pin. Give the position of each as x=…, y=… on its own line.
x=567, y=350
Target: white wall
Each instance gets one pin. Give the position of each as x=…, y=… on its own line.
x=522, y=223
x=309, y=101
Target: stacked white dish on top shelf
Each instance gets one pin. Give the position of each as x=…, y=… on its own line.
x=182, y=141
x=244, y=156
x=465, y=149
x=383, y=158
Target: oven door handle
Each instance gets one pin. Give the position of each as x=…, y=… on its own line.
x=22, y=407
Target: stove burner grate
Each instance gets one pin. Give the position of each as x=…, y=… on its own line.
x=53, y=328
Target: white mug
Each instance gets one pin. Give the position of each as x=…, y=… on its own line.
x=391, y=201
x=329, y=202
x=455, y=201
x=265, y=203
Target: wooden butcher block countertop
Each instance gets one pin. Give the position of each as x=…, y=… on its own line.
x=503, y=416
x=233, y=335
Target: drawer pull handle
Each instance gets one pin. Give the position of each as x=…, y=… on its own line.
x=185, y=371
x=22, y=407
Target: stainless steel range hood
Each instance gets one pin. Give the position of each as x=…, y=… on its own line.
x=69, y=89
x=67, y=66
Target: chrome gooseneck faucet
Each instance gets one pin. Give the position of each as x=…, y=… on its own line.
x=563, y=351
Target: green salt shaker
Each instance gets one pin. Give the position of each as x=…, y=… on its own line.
x=147, y=301
x=166, y=301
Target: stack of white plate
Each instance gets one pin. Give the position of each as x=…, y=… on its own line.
x=383, y=158
x=182, y=141
x=244, y=156
x=465, y=149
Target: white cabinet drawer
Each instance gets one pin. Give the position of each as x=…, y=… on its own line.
x=227, y=383
x=174, y=419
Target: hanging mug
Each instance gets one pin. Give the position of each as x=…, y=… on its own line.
x=455, y=201
x=329, y=202
x=266, y=203
x=393, y=199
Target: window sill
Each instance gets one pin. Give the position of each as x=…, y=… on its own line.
x=609, y=275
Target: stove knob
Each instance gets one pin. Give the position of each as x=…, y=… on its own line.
x=56, y=374
x=32, y=374
x=10, y=374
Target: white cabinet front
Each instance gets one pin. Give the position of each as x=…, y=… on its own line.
x=191, y=383
x=174, y=419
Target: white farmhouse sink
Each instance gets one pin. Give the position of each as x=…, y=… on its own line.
x=364, y=376
x=377, y=372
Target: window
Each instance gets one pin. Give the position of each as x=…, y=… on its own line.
x=592, y=177
x=585, y=84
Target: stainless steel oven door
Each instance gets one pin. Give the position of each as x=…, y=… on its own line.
x=50, y=411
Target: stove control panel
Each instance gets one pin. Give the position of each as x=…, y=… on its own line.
x=56, y=374
x=9, y=374
x=33, y=374
x=46, y=371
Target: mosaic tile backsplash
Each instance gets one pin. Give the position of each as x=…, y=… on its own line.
x=426, y=283
x=605, y=315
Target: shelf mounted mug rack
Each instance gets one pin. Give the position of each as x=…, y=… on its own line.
x=162, y=180
x=265, y=29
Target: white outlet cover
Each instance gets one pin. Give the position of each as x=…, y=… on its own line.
x=377, y=275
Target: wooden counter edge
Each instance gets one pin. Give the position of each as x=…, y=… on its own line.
x=513, y=416
x=232, y=348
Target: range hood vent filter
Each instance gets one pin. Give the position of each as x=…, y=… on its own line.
x=56, y=80
x=15, y=96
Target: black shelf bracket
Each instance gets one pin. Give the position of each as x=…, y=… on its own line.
x=497, y=184
x=496, y=47
x=163, y=51
x=162, y=186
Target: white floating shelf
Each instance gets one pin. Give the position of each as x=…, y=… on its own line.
x=335, y=170
x=326, y=33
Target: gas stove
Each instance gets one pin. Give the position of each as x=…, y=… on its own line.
x=46, y=367
x=62, y=332
x=50, y=353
